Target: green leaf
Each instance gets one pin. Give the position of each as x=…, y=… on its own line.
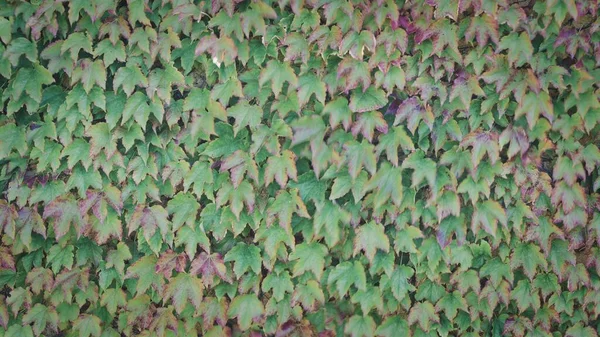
x=526, y=296
x=277, y=73
x=367, y=100
x=424, y=314
x=400, y=283
x=184, y=288
x=88, y=325
x=369, y=238
x=138, y=108
x=360, y=326
x=129, y=77
x=450, y=304
x=41, y=316
x=112, y=299
x=528, y=256
x=76, y=42
x=487, y=214
x=12, y=138
x=279, y=283
x=184, y=209
x=280, y=168
x=247, y=308
x=347, y=274
x=30, y=81
x=393, y=326
x=246, y=257
x=309, y=257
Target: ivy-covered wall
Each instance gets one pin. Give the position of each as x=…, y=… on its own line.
x=299, y=168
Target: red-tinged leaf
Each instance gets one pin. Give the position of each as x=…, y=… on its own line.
x=65, y=213
x=280, y=168
x=8, y=217
x=355, y=73
x=168, y=261
x=487, y=214
x=183, y=289
x=359, y=155
x=518, y=47
x=40, y=279
x=7, y=261
x=483, y=28
x=413, y=112
x=367, y=123
x=221, y=50
x=482, y=143
x=208, y=266
x=149, y=219
x=424, y=314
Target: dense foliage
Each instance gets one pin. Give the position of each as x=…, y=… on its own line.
x=299, y=168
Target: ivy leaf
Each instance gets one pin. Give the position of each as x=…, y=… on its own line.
x=285, y=204
x=528, y=256
x=88, y=325
x=393, y=326
x=367, y=100
x=129, y=77
x=246, y=257
x=112, y=299
x=347, y=274
x=208, y=266
x=138, y=108
x=183, y=288
x=144, y=270
x=12, y=138
x=534, y=105
x=41, y=316
x=309, y=295
x=487, y=214
x=339, y=113
x=360, y=326
x=280, y=283
x=518, y=46
x=18, y=330
x=277, y=73
x=579, y=330
x=309, y=84
x=359, y=155
x=65, y=213
x=309, y=257
x=246, y=308
x=237, y=197
x=150, y=219
x=423, y=168
x=281, y=167
x=245, y=115
x=30, y=80
x=413, y=112
x=400, y=283
x=60, y=257
x=424, y=314
x=184, y=209
x=76, y=42
x=450, y=304
x=369, y=238
x=526, y=296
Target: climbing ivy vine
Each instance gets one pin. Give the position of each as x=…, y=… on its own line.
x=299, y=168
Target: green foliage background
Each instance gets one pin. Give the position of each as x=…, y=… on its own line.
x=299, y=168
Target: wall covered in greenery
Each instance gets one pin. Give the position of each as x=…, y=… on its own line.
x=299, y=168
